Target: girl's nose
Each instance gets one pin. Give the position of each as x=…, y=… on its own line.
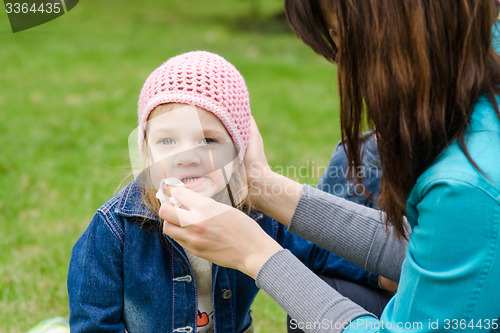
x=187, y=157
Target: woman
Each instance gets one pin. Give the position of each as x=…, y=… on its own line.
x=426, y=75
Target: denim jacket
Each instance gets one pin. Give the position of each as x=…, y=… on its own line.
x=125, y=274
x=335, y=180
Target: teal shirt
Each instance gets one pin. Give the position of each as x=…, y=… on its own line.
x=454, y=249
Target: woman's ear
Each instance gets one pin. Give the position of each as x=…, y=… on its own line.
x=334, y=36
x=331, y=22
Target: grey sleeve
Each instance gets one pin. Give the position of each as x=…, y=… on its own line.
x=351, y=231
x=308, y=300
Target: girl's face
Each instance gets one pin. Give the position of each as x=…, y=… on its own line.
x=190, y=144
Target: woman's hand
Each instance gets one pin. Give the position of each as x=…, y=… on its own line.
x=387, y=284
x=217, y=232
x=256, y=166
x=271, y=193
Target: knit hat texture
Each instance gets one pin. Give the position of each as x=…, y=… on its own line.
x=205, y=80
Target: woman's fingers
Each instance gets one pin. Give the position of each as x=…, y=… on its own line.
x=186, y=237
x=194, y=208
x=232, y=239
x=173, y=230
x=169, y=213
x=255, y=150
x=388, y=284
x=179, y=216
x=217, y=232
x=256, y=166
x=190, y=200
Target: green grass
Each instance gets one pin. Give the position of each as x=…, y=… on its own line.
x=68, y=101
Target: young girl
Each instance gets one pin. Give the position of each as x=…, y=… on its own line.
x=125, y=274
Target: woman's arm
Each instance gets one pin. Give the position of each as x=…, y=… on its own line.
x=451, y=253
x=333, y=223
x=310, y=302
x=320, y=261
x=352, y=231
x=214, y=230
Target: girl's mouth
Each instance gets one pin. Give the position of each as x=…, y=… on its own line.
x=189, y=179
x=193, y=182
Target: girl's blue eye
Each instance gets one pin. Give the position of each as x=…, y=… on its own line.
x=208, y=141
x=166, y=141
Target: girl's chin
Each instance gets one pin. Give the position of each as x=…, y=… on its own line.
x=207, y=191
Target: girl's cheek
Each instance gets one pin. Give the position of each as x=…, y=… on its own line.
x=157, y=172
x=218, y=180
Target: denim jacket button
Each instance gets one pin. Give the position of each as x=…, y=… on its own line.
x=226, y=294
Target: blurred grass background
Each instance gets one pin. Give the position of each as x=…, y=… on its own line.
x=68, y=97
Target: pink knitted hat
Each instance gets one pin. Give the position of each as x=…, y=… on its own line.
x=205, y=80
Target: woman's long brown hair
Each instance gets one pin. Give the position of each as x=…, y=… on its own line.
x=413, y=69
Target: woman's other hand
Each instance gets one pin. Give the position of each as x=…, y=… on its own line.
x=387, y=284
x=271, y=193
x=256, y=165
x=217, y=232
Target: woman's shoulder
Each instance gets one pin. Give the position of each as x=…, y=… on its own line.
x=483, y=145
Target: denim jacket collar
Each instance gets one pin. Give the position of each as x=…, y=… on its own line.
x=132, y=205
